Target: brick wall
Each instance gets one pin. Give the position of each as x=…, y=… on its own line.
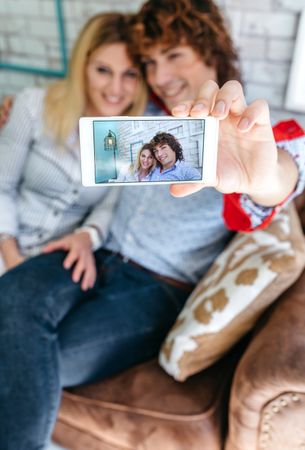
x=263, y=30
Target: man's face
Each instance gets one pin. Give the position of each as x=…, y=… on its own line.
x=165, y=155
x=176, y=74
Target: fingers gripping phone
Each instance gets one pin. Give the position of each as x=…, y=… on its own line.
x=148, y=150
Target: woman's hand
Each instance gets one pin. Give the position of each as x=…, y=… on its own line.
x=79, y=249
x=5, y=109
x=13, y=261
x=248, y=160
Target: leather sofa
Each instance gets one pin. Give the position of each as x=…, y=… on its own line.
x=267, y=405
x=261, y=407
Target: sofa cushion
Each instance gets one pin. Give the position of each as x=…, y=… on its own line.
x=144, y=408
x=246, y=278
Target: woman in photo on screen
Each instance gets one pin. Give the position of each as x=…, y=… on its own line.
x=143, y=167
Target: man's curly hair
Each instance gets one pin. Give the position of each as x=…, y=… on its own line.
x=197, y=23
x=162, y=138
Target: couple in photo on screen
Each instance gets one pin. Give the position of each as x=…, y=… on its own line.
x=160, y=160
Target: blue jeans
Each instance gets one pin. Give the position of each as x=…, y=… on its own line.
x=54, y=335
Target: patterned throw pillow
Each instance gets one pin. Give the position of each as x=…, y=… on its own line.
x=244, y=280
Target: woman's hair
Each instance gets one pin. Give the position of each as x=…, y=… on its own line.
x=162, y=138
x=66, y=100
x=137, y=164
x=197, y=23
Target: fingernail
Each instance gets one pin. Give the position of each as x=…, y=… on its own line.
x=244, y=123
x=199, y=107
x=180, y=108
x=220, y=107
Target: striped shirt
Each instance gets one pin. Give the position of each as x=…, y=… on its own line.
x=180, y=171
x=41, y=196
x=176, y=237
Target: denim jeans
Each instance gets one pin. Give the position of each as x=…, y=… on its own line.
x=53, y=335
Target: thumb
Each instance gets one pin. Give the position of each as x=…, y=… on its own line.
x=182, y=190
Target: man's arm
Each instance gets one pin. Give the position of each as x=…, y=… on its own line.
x=240, y=212
x=249, y=161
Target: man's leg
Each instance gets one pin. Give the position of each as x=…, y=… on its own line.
x=34, y=298
x=123, y=325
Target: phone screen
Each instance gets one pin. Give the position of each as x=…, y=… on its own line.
x=150, y=150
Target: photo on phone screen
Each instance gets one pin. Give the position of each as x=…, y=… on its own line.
x=144, y=150
x=148, y=150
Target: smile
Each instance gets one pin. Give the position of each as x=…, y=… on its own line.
x=174, y=90
x=113, y=99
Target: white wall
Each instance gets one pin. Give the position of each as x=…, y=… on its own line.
x=263, y=30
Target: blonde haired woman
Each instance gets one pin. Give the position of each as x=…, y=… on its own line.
x=40, y=183
x=142, y=168
x=42, y=199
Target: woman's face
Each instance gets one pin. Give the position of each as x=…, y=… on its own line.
x=146, y=159
x=112, y=81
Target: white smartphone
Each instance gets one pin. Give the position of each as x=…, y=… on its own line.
x=148, y=150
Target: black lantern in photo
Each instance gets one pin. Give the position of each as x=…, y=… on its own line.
x=110, y=144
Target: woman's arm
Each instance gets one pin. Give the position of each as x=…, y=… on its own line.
x=5, y=109
x=10, y=252
x=100, y=217
x=15, y=141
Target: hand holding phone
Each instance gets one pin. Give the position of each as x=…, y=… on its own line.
x=248, y=160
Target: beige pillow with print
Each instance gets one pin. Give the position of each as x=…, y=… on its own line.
x=244, y=280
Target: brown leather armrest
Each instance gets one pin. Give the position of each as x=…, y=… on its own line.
x=300, y=205
x=273, y=364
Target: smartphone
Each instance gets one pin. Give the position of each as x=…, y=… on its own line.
x=148, y=150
